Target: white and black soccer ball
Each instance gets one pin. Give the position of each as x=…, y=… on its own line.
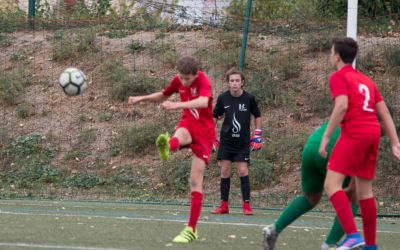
x=73, y=81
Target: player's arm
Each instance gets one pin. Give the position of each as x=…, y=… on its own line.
x=339, y=110
x=257, y=123
x=389, y=127
x=199, y=102
x=155, y=97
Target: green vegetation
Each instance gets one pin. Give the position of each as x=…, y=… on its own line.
x=73, y=44
x=5, y=40
x=137, y=139
x=135, y=46
x=23, y=110
x=12, y=84
x=124, y=83
x=175, y=176
x=105, y=117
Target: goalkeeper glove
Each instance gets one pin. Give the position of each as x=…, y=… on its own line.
x=215, y=145
x=256, y=140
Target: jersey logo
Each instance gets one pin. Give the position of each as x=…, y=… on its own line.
x=242, y=107
x=225, y=107
x=236, y=125
x=193, y=91
x=195, y=113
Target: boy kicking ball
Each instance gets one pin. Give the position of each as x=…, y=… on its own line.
x=195, y=130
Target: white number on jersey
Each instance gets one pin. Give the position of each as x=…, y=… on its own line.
x=364, y=90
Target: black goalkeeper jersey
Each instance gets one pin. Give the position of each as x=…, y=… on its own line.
x=235, y=131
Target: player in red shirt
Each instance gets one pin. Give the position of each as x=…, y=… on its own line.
x=357, y=103
x=195, y=129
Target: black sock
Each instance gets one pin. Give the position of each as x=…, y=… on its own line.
x=245, y=187
x=225, y=186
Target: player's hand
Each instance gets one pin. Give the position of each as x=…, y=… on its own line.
x=256, y=140
x=168, y=105
x=132, y=100
x=396, y=150
x=215, y=145
x=323, y=147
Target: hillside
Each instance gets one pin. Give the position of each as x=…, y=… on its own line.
x=95, y=146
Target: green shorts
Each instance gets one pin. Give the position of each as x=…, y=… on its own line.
x=313, y=170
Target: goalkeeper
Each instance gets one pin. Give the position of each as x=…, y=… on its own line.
x=236, y=106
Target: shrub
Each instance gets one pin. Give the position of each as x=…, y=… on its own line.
x=391, y=56
x=175, y=176
x=128, y=177
x=137, y=139
x=131, y=85
x=85, y=181
x=288, y=66
x=265, y=89
x=261, y=173
x=319, y=42
x=105, y=117
x=5, y=40
x=35, y=173
x=74, y=44
x=75, y=154
x=11, y=86
x=25, y=148
x=135, y=46
x=23, y=111
x=87, y=137
x=28, y=158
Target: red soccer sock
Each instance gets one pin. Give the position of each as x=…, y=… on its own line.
x=196, y=200
x=173, y=144
x=342, y=207
x=368, y=214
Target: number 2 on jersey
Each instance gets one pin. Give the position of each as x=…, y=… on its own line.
x=364, y=90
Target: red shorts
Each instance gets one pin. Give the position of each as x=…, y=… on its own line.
x=202, y=139
x=355, y=156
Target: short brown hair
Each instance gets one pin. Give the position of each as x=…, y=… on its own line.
x=187, y=65
x=346, y=47
x=234, y=72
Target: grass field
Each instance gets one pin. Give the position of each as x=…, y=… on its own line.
x=29, y=224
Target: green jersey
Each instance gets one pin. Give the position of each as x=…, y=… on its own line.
x=316, y=137
x=313, y=166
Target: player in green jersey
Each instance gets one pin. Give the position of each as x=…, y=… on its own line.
x=313, y=172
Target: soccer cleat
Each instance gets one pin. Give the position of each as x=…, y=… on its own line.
x=247, y=209
x=222, y=209
x=270, y=237
x=325, y=246
x=187, y=235
x=163, y=146
x=352, y=241
x=371, y=247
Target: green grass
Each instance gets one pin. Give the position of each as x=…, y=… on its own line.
x=147, y=227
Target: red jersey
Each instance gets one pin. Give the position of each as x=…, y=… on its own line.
x=362, y=94
x=201, y=86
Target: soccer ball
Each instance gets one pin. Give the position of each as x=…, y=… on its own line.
x=73, y=81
